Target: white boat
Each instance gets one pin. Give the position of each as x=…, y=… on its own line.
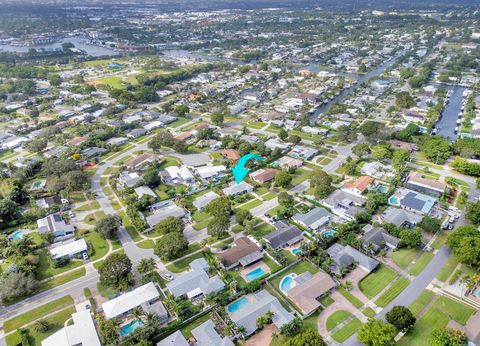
x=456, y=129
x=458, y=121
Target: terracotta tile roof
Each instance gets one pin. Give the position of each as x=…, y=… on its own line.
x=243, y=247
x=183, y=136
x=77, y=140
x=305, y=295
x=230, y=154
x=360, y=184
x=263, y=176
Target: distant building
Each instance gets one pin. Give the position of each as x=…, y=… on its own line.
x=177, y=175
x=141, y=160
x=201, y=202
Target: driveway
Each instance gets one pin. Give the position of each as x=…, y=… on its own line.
x=194, y=160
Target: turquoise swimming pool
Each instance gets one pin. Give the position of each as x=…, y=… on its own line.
x=382, y=188
x=238, y=305
x=17, y=235
x=129, y=328
x=329, y=233
x=287, y=283
x=255, y=274
x=393, y=200
x=297, y=251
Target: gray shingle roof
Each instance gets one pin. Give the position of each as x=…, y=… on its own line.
x=376, y=236
x=284, y=235
x=314, y=218
x=206, y=335
x=344, y=256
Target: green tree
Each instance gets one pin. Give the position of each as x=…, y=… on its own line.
x=218, y=226
x=15, y=285
x=116, y=270
x=473, y=212
x=322, y=182
x=283, y=179
x=401, y=318
x=381, y=152
x=309, y=337
x=171, y=246
x=108, y=330
x=400, y=157
x=41, y=326
x=242, y=215
x=108, y=226
x=403, y=99
x=219, y=207
x=411, y=238
x=146, y=266
x=377, y=333
x=169, y=225
x=375, y=199
x=283, y=135
x=294, y=139
x=448, y=337
x=217, y=118
x=286, y=200
x=430, y=224
x=361, y=149
x=181, y=110
x=370, y=128
x=436, y=149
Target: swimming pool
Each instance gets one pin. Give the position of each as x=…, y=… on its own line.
x=297, y=251
x=393, y=200
x=287, y=283
x=238, y=305
x=17, y=235
x=129, y=328
x=382, y=188
x=255, y=274
x=329, y=233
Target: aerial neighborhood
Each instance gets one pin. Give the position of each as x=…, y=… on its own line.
x=131, y=212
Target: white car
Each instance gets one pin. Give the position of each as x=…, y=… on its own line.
x=167, y=276
x=85, y=256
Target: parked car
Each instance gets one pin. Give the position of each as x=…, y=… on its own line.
x=167, y=276
x=85, y=256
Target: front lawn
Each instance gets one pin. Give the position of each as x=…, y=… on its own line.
x=422, y=300
x=261, y=230
x=336, y=318
x=183, y=264
x=447, y=269
x=61, y=279
x=350, y=297
x=420, y=334
x=376, y=281
x=44, y=267
x=421, y=263
x=55, y=323
x=100, y=245
x=392, y=292
x=36, y=313
x=347, y=330
x=404, y=257
x=455, y=310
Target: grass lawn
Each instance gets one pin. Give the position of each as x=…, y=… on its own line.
x=113, y=81
x=326, y=301
x=336, y=318
x=369, y=312
x=308, y=323
x=261, y=230
x=92, y=218
x=250, y=205
x=422, y=300
x=404, y=257
x=300, y=176
x=455, y=310
x=392, y=292
x=60, y=280
x=298, y=269
x=347, y=330
x=106, y=291
x=36, y=313
x=44, y=269
x=420, y=334
x=187, y=330
x=183, y=264
x=146, y=244
x=447, y=269
x=99, y=244
x=350, y=297
x=129, y=227
x=376, y=281
x=440, y=240
x=421, y=263
x=274, y=267
x=55, y=323
x=88, y=207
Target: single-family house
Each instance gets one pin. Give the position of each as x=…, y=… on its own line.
x=417, y=202
x=377, y=238
x=141, y=161
x=81, y=332
x=55, y=224
x=204, y=335
x=129, y=179
x=287, y=162
x=183, y=136
x=314, y=219
x=308, y=288
x=416, y=182
x=344, y=204
x=285, y=235
x=400, y=217
x=258, y=304
x=201, y=202
x=275, y=143
x=152, y=125
x=144, y=191
x=136, y=133
x=244, y=252
x=76, y=141
x=410, y=147
x=93, y=152
x=177, y=175
x=117, y=141
x=68, y=249
x=175, y=339
x=378, y=170
x=196, y=282
x=230, y=154
x=264, y=175
x=235, y=189
x=346, y=256
x=162, y=210
x=412, y=116
x=358, y=186
x=302, y=152
x=48, y=202
x=146, y=297
x=211, y=172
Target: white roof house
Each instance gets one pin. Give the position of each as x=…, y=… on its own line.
x=153, y=125
x=68, y=249
x=177, y=175
x=81, y=332
x=129, y=178
x=130, y=300
x=236, y=189
x=144, y=190
x=202, y=201
x=162, y=210
x=209, y=172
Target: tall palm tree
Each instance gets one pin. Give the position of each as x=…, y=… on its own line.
x=269, y=316
x=137, y=313
x=241, y=330
x=146, y=265
x=41, y=326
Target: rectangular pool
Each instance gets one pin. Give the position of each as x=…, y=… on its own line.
x=255, y=274
x=129, y=328
x=238, y=305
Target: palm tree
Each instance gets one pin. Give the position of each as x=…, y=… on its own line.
x=464, y=280
x=269, y=316
x=151, y=320
x=241, y=330
x=21, y=247
x=41, y=326
x=146, y=265
x=137, y=313
x=348, y=285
